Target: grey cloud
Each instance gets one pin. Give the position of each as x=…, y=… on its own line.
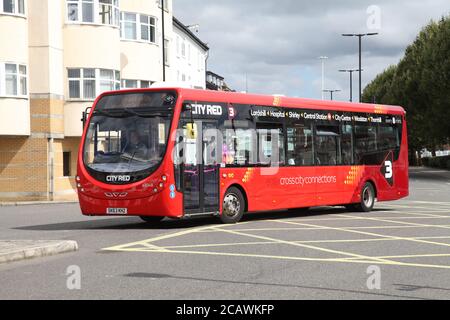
x=275, y=41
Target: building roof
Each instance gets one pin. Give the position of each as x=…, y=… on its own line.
x=215, y=75
x=177, y=23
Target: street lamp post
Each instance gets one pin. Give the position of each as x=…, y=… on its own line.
x=331, y=92
x=359, y=35
x=323, y=58
x=350, y=71
x=163, y=40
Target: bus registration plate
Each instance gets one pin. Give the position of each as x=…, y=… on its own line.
x=118, y=211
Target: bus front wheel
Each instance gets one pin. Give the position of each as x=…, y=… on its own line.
x=367, y=199
x=233, y=206
x=151, y=219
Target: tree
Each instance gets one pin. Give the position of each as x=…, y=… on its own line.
x=421, y=84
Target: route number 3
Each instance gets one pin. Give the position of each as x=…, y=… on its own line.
x=389, y=173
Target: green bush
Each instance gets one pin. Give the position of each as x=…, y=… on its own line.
x=437, y=162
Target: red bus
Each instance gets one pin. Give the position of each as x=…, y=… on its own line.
x=176, y=153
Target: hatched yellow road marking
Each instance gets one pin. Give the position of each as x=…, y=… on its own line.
x=301, y=245
x=351, y=230
x=425, y=255
x=416, y=207
x=146, y=242
x=148, y=245
x=324, y=228
x=208, y=245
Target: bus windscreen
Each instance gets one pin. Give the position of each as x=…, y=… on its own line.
x=127, y=136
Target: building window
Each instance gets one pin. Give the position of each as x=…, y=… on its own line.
x=189, y=53
x=183, y=48
x=87, y=83
x=166, y=52
x=135, y=84
x=145, y=84
x=93, y=11
x=138, y=27
x=13, y=80
x=13, y=6
x=166, y=4
x=66, y=164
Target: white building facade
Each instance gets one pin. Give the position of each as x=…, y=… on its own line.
x=56, y=57
x=188, y=57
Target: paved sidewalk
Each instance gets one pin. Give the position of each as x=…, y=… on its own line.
x=30, y=203
x=15, y=250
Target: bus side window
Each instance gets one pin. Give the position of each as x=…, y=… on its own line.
x=270, y=144
x=365, y=143
x=328, y=146
x=300, y=149
x=347, y=144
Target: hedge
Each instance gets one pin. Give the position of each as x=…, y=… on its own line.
x=437, y=162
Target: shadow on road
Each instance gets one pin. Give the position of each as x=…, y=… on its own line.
x=134, y=223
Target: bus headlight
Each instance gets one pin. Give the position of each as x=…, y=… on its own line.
x=164, y=178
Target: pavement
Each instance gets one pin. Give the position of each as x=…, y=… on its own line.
x=16, y=250
x=401, y=250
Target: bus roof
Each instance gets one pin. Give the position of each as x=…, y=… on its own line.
x=282, y=101
x=278, y=101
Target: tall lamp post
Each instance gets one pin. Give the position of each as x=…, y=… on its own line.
x=359, y=35
x=350, y=71
x=163, y=41
x=331, y=92
x=323, y=58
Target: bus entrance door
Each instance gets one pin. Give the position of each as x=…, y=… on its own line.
x=201, y=168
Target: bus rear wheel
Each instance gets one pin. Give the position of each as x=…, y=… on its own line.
x=233, y=206
x=367, y=199
x=151, y=219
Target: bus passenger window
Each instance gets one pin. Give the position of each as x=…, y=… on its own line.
x=300, y=149
x=388, y=138
x=328, y=145
x=347, y=144
x=365, y=142
x=270, y=144
x=238, y=147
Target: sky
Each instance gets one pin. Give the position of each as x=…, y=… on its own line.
x=275, y=44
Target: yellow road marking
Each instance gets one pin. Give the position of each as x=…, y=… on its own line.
x=231, y=244
x=302, y=245
x=351, y=230
x=412, y=256
x=162, y=237
x=343, y=260
x=415, y=207
x=323, y=228
x=149, y=246
x=418, y=225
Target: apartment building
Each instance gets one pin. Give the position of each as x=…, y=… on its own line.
x=189, y=59
x=56, y=56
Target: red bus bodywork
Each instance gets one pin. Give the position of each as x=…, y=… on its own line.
x=262, y=192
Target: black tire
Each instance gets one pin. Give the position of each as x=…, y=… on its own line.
x=151, y=219
x=367, y=198
x=233, y=206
